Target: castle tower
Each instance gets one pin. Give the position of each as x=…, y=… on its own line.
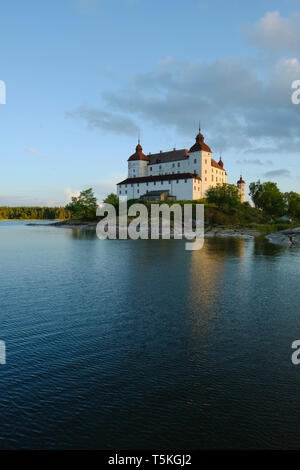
x=200, y=156
x=137, y=163
x=241, y=185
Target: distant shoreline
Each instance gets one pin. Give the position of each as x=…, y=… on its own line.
x=31, y=220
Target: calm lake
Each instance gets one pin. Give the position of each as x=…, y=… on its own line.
x=141, y=344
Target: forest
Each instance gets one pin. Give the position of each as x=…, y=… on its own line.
x=37, y=213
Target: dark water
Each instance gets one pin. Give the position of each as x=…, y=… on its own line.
x=141, y=344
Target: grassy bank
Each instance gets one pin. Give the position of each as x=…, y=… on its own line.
x=242, y=217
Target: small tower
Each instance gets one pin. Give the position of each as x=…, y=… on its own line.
x=241, y=185
x=200, y=159
x=137, y=163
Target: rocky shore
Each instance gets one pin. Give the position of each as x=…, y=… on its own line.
x=209, y=232
x=289, y=237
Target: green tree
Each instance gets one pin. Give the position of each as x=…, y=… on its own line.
x=113, y=199
x=255, y=192
x=267, y=196
x=84, y=206
x=292, y=204
x=224, y=195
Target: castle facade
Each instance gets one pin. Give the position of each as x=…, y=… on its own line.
x=178, y=174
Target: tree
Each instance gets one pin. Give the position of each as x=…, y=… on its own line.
x=292, y=204
x=112, y=199
x=255, y=192
x=224, y=195
x=267, y=196
x=84, y=206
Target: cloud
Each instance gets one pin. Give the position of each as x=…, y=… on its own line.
x=254, y=162
x=34, y=151
x=242, y=108
x=276, y=173
x=97, y=118
x=101, y=188
x=69, y=194
x=243, y=104
x=276, y=33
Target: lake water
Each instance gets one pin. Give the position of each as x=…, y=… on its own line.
x=141, y=344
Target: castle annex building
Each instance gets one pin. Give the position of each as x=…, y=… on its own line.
x=177, y=174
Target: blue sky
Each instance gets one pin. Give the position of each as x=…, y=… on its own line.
x=84, y=77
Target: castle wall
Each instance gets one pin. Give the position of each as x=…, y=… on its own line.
x=182, y=189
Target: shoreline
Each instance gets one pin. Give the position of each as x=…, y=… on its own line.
x=285, y=237
x=31, y=220
x=279, y=238
x=218, y=232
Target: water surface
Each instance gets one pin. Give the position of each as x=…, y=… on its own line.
x=141, y=344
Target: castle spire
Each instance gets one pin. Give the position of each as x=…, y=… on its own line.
x=221, y=161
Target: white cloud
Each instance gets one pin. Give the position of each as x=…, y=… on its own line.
x=34, y=151
x=243, y=105
x=241, y=108
x=276, y=33
x=69, y=194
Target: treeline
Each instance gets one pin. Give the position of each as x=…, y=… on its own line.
x=268, y=198
x=38, y=213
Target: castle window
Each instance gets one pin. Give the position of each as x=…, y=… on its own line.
x=160, y=167
x=147, y=184
x=169, y=182
x=195, y=160
x=132, y=185
x=212, y=177
x=205, y=179
x=185, y=181
x=133, y=170
x=205, y=161
x=150, y=168
x=173, y=165
x=125, y=185
x=177, y=181
x=138, y=190
x=162, y=182
x=154, y=183
x=120, y=191
x=125, y=192
x=138, y=184
x=178, y=164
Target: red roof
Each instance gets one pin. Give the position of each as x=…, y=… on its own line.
x=149, y=179
x=216, y=165
x=138, y=155
x=241, y=181
x=200, y=144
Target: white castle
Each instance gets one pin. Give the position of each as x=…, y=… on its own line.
x=177, y=174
